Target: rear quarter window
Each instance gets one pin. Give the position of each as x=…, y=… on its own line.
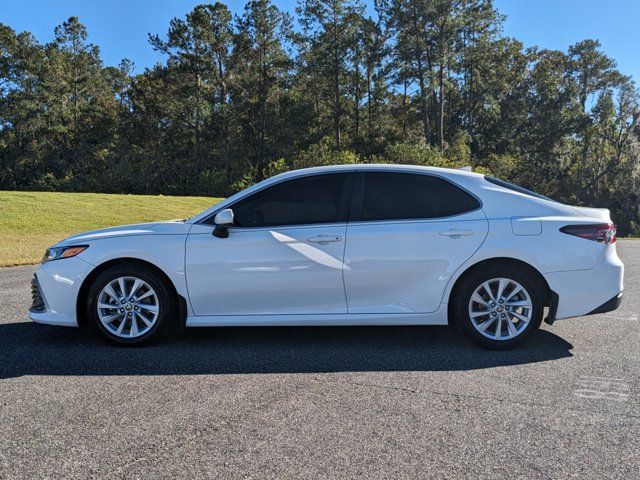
x=517, y=188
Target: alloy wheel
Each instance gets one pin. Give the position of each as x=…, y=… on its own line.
x=128, y=307
x=500, y=309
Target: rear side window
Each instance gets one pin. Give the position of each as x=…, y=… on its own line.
x=301, y=201
x=394, y=196
x=516, y=188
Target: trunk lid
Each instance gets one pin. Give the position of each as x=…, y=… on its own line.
x=600, y=213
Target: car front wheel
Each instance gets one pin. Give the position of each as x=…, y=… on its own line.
x=499, y=307
x=129, y=304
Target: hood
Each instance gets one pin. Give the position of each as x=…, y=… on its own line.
x=165, y=228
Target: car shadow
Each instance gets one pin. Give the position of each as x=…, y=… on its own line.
x=31, y=349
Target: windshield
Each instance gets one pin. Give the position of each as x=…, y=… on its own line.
x=517, y=188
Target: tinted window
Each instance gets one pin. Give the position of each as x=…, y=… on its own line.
x=315, y=199
x=516, y=188
x=390, y=196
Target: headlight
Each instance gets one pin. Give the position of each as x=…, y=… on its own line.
x=56, y=253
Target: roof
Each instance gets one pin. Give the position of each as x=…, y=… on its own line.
x=378, y=167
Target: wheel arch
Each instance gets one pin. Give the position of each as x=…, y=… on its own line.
x=505, y=261
x=81, y=314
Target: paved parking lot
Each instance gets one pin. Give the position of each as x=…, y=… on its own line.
x=396, y=402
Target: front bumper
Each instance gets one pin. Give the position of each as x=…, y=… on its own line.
x=38, y=304
x=54, y=291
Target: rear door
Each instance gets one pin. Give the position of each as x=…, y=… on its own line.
x=408, y=233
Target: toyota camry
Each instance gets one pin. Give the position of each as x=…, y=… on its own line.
x=343, y=245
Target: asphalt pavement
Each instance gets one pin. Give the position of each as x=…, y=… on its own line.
x=361, y=402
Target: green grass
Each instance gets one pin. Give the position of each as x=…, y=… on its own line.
x=32, y=221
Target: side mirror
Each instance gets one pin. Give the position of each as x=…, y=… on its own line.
x=223, y=220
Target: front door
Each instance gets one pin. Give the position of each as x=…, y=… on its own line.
x=284, y=255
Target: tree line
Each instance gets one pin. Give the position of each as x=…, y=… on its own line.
x=240, y=98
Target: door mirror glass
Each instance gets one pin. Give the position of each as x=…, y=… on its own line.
x=224, y=217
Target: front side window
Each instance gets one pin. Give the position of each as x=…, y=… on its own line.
x=394, y=196
x=301, y=201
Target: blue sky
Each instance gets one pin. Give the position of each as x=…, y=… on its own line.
x=120, y=27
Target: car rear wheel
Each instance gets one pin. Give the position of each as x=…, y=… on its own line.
x=499, y=307
x=129, y=304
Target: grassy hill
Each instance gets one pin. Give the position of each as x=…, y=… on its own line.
x=32, y=221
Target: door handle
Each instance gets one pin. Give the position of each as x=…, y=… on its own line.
x=324, y=238
x=456, y=233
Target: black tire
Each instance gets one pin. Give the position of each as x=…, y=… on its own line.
x=165, y=299
x=462, y=296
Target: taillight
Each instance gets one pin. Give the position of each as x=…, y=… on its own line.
x=601, y=232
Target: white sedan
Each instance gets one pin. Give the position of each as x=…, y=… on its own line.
x=344, y=245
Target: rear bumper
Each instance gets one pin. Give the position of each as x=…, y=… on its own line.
x=583, y=292
x=608, y=306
